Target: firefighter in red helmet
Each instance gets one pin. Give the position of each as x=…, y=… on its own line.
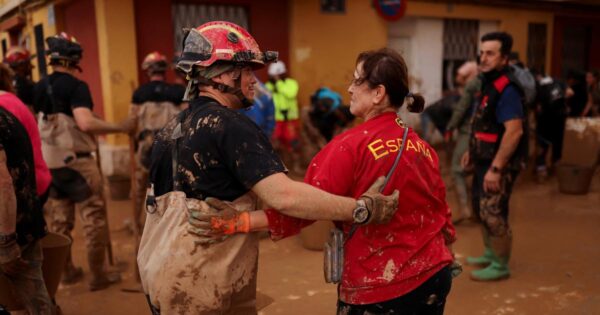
x=212, y=150
x=153, y=104
x=19, y=60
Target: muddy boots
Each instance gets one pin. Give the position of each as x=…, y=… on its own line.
x=488, y=254
x=71, y=274
x=100, y=278
x=498, y=266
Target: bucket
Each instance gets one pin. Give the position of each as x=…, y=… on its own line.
x=120, y=186
x=315, y=235
x=574, y=179
x=56, y=249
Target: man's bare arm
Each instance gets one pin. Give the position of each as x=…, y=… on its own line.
x=301, y=200
x=8, y=201
x=86, y=121
x=510, y=140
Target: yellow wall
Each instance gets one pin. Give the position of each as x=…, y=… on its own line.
x=115, y=22
x=513, y=21
x=323, y=47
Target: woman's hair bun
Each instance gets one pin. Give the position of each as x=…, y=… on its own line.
x=416, y=104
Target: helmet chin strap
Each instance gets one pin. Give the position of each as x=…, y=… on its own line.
x=225, y=88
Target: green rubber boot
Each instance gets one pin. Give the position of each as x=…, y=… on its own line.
x=498, y=268
x=483, y=260
x=494, y=271
x=488, y=254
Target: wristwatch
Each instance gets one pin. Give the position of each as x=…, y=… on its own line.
x=7, y=238
x=361, y=214
x=495, y=169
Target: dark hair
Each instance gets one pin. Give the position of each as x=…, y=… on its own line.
x=6, y=78
x=387, y=67
x=506, y=41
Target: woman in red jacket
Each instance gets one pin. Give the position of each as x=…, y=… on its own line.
x=401, y=267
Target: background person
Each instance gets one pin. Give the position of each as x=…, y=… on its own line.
x=67, y=128
x=22, y=222
x=153, y=104
x=19, y=60
x=401, y=267
x=286, y=137
x=497, y=152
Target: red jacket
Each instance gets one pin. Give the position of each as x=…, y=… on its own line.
x=383, y=262
x=11, y=103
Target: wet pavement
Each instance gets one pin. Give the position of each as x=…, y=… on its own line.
x=555, y=264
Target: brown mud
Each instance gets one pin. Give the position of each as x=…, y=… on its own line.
x=555, y=264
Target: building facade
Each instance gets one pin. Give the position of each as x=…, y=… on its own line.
x=318, y=40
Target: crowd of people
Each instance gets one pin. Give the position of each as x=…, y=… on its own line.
x=206, y=153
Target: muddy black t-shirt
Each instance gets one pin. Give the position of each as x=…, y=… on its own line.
x=15, y=142
x=222, y=153
x=68, y=93
x=157, y=91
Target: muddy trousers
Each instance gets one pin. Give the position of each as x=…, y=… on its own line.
x=141, y=184
x=428, y=299
x=29, y=285
x=492, y=210
x=458, y=174
x=61, y=217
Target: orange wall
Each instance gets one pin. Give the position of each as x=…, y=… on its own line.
x=324, y=47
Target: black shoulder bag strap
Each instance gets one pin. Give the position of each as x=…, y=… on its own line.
x=387, y=178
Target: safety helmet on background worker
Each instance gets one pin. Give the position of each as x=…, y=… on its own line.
x=17, y=55
x=64, y=50
x=155, y=62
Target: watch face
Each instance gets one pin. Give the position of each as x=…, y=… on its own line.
x=360, y=215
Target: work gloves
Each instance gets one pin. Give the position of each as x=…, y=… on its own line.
x=381, y=208
x=216, y=220
x=11, y=262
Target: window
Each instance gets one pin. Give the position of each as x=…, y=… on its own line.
x=460, y=45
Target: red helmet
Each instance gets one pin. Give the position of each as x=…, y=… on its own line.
x=221, y=41
x=16, y=55
x=155, y=62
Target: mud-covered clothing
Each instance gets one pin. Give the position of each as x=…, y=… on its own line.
x=428, y=299
x=68, y=92
x=492, y=207
x=223, y=155
x=24, y=89
x=501, y=101
x=12, y=104
x=29, y=285
x=14, y=141
x=157, y=91
x=383, y=262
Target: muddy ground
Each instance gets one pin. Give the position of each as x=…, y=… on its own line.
x=555, y=264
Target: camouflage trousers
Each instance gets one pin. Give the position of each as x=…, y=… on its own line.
x=29, y=286
x=61, y=206
x=492, y=208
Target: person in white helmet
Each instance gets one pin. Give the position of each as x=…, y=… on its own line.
x=286, y=137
